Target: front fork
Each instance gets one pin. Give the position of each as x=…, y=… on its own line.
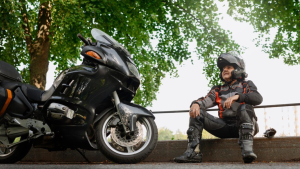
x=129, y=113
x=116, y=100
x=121, y=115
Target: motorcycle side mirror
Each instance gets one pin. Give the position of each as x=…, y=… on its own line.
x=82, y=39
x=89, y=40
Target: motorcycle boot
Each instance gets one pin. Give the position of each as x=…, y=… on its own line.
x=192, y=154
x=246, y=142
x=247, y=129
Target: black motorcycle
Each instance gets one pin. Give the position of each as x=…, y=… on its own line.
x=88, y=107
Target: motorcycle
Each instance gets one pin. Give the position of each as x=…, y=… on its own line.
x=88, y=107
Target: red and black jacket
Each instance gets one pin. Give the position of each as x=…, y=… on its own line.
x=246, y=90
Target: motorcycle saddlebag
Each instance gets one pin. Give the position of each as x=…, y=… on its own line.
x=5, y=98
x=9, y=72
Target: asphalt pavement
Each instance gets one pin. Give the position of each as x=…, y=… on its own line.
x=206, y=165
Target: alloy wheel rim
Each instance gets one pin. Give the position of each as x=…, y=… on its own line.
x=144, y=122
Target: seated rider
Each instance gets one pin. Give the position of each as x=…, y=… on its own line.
x=237, y=119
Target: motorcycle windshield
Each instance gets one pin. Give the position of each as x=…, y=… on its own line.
x=103, y=37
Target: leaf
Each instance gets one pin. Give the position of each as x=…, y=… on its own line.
x=172, y=25
x=282, y=16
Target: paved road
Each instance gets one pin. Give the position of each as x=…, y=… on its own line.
x=288, y=165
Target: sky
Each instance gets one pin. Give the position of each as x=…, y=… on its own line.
x=276, y=82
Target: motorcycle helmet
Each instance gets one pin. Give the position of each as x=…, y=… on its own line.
x=233, y=59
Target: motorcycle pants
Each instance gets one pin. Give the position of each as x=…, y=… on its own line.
x=224, y=128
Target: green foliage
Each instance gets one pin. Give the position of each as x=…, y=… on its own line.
x=266, y=15
x=156, y=32
x=12, y=44
x=167, y=134
x=179, y=135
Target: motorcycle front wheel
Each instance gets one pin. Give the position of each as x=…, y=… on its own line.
x=121, y=147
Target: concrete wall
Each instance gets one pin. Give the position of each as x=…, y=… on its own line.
x=214, y=150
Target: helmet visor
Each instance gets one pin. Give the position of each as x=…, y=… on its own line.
x=231, y=59
x=228, y=59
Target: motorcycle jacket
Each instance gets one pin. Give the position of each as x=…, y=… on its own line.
x=246, y=90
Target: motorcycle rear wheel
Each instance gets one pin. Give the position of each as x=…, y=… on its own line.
x=15, y=154
x=118, y=152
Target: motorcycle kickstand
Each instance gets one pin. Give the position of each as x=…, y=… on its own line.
x=83, y=155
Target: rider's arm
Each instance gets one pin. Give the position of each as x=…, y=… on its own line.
x=209, y=100
x=251, y=95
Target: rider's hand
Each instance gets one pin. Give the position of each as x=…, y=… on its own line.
x=195, y=110
x=230, y=100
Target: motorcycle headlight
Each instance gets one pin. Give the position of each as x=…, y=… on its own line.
x=133, y=70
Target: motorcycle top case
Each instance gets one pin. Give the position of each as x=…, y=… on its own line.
x=5, y=98
x=9, y=72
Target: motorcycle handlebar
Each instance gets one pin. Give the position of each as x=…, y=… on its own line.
x=82, y=39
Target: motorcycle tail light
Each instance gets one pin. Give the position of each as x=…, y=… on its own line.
x=93, y=54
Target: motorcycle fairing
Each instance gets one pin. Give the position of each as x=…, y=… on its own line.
x=76, y=90
x=112, y=58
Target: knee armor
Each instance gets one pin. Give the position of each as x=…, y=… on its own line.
x=246, y=114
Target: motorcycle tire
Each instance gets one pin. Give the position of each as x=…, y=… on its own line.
x=14, y=154
x=131, y=156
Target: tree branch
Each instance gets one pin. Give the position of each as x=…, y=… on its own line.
x=26, y=27
x=185, y=11
x=193, y=16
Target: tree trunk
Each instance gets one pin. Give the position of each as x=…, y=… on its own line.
x=41, y=48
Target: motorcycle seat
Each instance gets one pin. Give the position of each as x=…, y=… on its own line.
x=35, y=94
x=31, y=92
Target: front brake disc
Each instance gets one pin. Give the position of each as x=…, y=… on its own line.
x=127, y=140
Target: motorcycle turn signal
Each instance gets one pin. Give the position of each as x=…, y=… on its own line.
x=93, y=54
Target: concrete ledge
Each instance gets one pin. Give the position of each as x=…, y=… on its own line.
x=214, y=150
